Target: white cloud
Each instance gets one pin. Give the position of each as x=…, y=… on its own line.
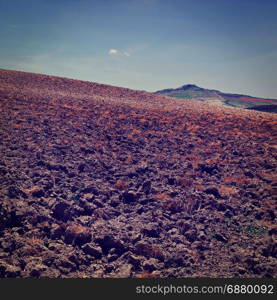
x=118, y=52
x=113, y=51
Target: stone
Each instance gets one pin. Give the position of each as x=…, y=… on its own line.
x=38, y=193
x=191, y=235
x=208, y=169
x=135, y=260
x=112, y=257
x=35, y=270
x=129, y=197
x=146, y=187
x=77, y=234
x=15, y=192
x=7, y=270
x=213, y=191
x=124, y=271
x=270, y=250
x=151, y=231
x=171, y=180
x=150, y=264
x=108, y=242
x=56, y=232
x=88, y=197
x=220, y=238
x=185, y=226
x=92, y=250
x=61, y=211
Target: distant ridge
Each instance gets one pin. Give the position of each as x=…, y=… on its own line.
x=192, y=91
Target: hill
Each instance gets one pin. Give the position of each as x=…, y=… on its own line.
x=191, y=91
x=102, y=181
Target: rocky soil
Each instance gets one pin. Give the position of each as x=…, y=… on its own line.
x=101, y=181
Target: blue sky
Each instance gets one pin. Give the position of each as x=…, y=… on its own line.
x=230, y=45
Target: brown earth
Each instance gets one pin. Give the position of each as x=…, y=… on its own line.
x=101, y=181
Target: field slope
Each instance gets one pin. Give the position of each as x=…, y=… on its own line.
x=102, y=181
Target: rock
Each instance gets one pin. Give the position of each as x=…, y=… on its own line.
x=3, y=254
x=63, y=169
x=90, y=190
x=92, y=250
x=81, y=168
x=114, y=203
x=88, y=208
x=175, y=261
x=213, y=191
x=4, y=218
x=98, y=203
x=15, y=192
x=191, y=235
x=151, y=231
x=7, y=270
x=208, y=169
x=62, y=212
x=173, y=206
x=144, y=249
x=202, y=235
x=71, y=175
x=13, y=219
x=135, y=261
x=251, y=262
x=137, y=237
x=273, y=231
x=150, y=264
x=221, y=206
x=173, y=231
x=143, y=168
x=173, y=194
x=56, y=232
x=124, y=271
x=259, y=269
x=54, y=246
x=200, y=246
x=228, y=214
x=171, y=180
x=249, y=174
x=34, y=270
x=112, y=257
x=108, y=242
x=38, y=193
x=220, y=237
x=77, y=234
x=51, y=273
x=89, y=197
x=270, y=250
x=185, y=226
x=83, y=238
x=109, y=268
x=241, y=270
x=65, y=265
x=146, y=187
x=129, y=197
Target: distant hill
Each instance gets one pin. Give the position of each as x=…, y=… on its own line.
x=192, y=91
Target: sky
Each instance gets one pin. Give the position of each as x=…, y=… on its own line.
x=229, y=45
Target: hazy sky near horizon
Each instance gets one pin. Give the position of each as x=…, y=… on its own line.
x=230, y=45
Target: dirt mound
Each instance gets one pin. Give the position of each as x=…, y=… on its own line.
x=101, y=181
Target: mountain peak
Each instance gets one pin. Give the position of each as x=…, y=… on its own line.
x=188, y=86
x=192, y=91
